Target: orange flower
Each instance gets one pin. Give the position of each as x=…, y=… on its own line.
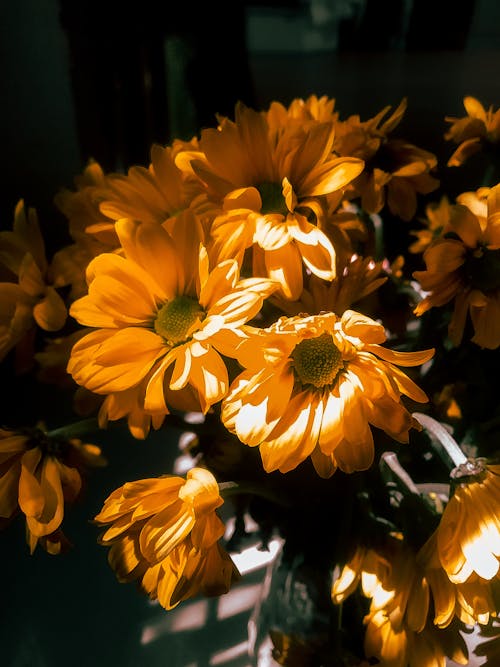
x=39, y=473
x=312, y=386
x=463, y=266
x=267, y=180
x=29, y=299
x=472, y=131
x=359, y=278
x=436, y=225
x=157, y=308
x=468, y=536
x=165, y=533
x=472, y=601
x=399, y=630
x=159, y=192
x=395, y=169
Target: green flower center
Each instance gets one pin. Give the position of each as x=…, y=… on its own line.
x=272, y=198
x=317, y=361
x=176, y=318
x=482, y=268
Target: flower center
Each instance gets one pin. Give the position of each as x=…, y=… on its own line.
x=482, y=268
x=177, y=317
x=272, y=198
x=317, y=360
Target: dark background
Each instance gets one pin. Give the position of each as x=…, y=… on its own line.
x=103, y=80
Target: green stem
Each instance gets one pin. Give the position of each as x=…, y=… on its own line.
x=76, y=429
x=228, y=489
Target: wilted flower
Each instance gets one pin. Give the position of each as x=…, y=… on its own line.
x=165, y=532
x=39, y=473
x=473, y=131
x=29, y=300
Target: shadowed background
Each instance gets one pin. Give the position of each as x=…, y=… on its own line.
x=95, y=79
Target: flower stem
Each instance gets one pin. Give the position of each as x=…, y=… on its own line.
x=392, y=462
x=441, y=439
x=76, y=429
x=228, y=489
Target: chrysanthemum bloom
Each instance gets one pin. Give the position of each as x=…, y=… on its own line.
x=39, y=473
x=156, y=308
x=436, y=224
x=463, y=266
x=475, y=600
x=30, y=299
x=473, y=131
x=396, y=170
x=311, y=109
x=92, y=232
x=165, y=532
x=159, y=192
x=403, y=647
x=268, y=182
x=468, y=536
x=359, y=278
x=87, y=225
x=399, y=630
x=313, y=386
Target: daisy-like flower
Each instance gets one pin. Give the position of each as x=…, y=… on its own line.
x=314, y=386
x=159, y=314
x=399, y=631
x=464, y=266
x=359, y=278
x=472, y=601
x=268, y=181
x=473, y=131
x=403, y=647
x=436, y=225
x=39, y=473
x=468, y=536
x=164, y=533
x=396, y=170
x=311, y=109
x=30, y=299
x=159, y=192
x=88, y=226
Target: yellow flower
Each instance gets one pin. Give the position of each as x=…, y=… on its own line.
x=312, y=109
x=30, y=298
x=436, y=224
x=39, y=472
x=156, y=193
x=157, y=308
x=165, y=533
x=267, y=181
x=88, y=226
x=403, y=647
x=472, y=131
x=463, y=266
x=399, y=630
x=472, y=601
x=395, y=171
x=359, y=278
x=312, y=386
x=468, y=536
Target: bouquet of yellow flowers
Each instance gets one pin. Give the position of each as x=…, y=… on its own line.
x=298, y=296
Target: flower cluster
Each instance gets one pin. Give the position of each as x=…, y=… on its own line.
x=250, y=275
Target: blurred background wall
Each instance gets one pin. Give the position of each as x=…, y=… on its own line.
x=104, y=79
